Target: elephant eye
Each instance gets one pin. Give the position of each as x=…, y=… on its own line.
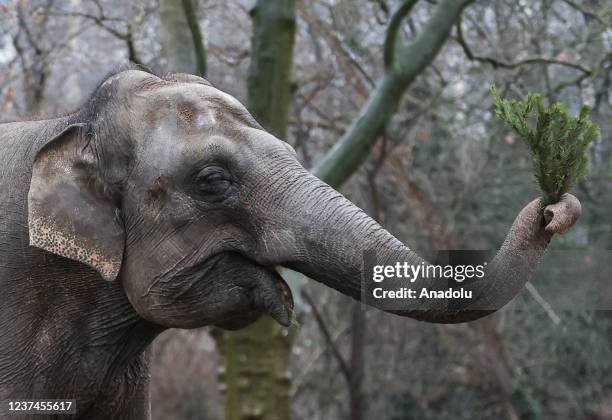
x=212, y=178
x=213, y=181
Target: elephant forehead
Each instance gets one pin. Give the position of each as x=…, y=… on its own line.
x=191, y=108
x=161, y=152
x=182, y=117
x=188, y=97
x=165, y=152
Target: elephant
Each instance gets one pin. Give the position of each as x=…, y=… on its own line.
x=162, y=203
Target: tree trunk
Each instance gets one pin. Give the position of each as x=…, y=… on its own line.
x=357, y=364
x=256, y=383
x=254, y=379
x=179, y=28
x=269, y=80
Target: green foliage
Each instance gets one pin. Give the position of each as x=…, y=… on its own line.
x=558, y=141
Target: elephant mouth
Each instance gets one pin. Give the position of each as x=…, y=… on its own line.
x=261, y=289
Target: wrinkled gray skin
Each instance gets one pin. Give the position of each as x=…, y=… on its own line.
x=162, y=203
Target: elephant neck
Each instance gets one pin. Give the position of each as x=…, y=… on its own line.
x=79, y=338
x=120, y=379
x=108, y=355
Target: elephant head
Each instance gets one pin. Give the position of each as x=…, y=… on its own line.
x=170, y=186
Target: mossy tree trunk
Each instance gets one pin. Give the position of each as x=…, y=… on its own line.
x=179, y=28
x=255, y=381
x=269, y=79
x=254, y=378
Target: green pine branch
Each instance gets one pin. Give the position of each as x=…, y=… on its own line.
x=558, y=141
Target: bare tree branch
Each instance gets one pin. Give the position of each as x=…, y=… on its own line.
x=196, y=34
x=101, y=20
x=345, y=59
x=393, y=31
x=543, y=303
x=98, y=20
x=589, y=13
x=327, y=336
x=496, y=63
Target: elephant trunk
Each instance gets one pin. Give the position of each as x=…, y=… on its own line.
x=331, y=239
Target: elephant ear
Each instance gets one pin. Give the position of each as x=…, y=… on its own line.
x=72, y=211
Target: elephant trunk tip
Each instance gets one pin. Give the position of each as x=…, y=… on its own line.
x=561, y=216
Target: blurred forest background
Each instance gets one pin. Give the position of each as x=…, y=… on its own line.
x=403, y=87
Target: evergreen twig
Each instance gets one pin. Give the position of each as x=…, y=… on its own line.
x=558, y=141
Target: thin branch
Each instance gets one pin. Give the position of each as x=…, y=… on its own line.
x=196, y=34
x=44, y=59
x=332, y=121
x=393, y=31
x=132, y=54
x=99, y=7
x=588, y=13
x=373, y=174
x=346, y=60
x=345, y=49
x=542, y=302
x=26, y=29
x=382, y=6
x=496, y=63
x=99, y=21
x=327, y=336
x=299, y=383
x=573, y=82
